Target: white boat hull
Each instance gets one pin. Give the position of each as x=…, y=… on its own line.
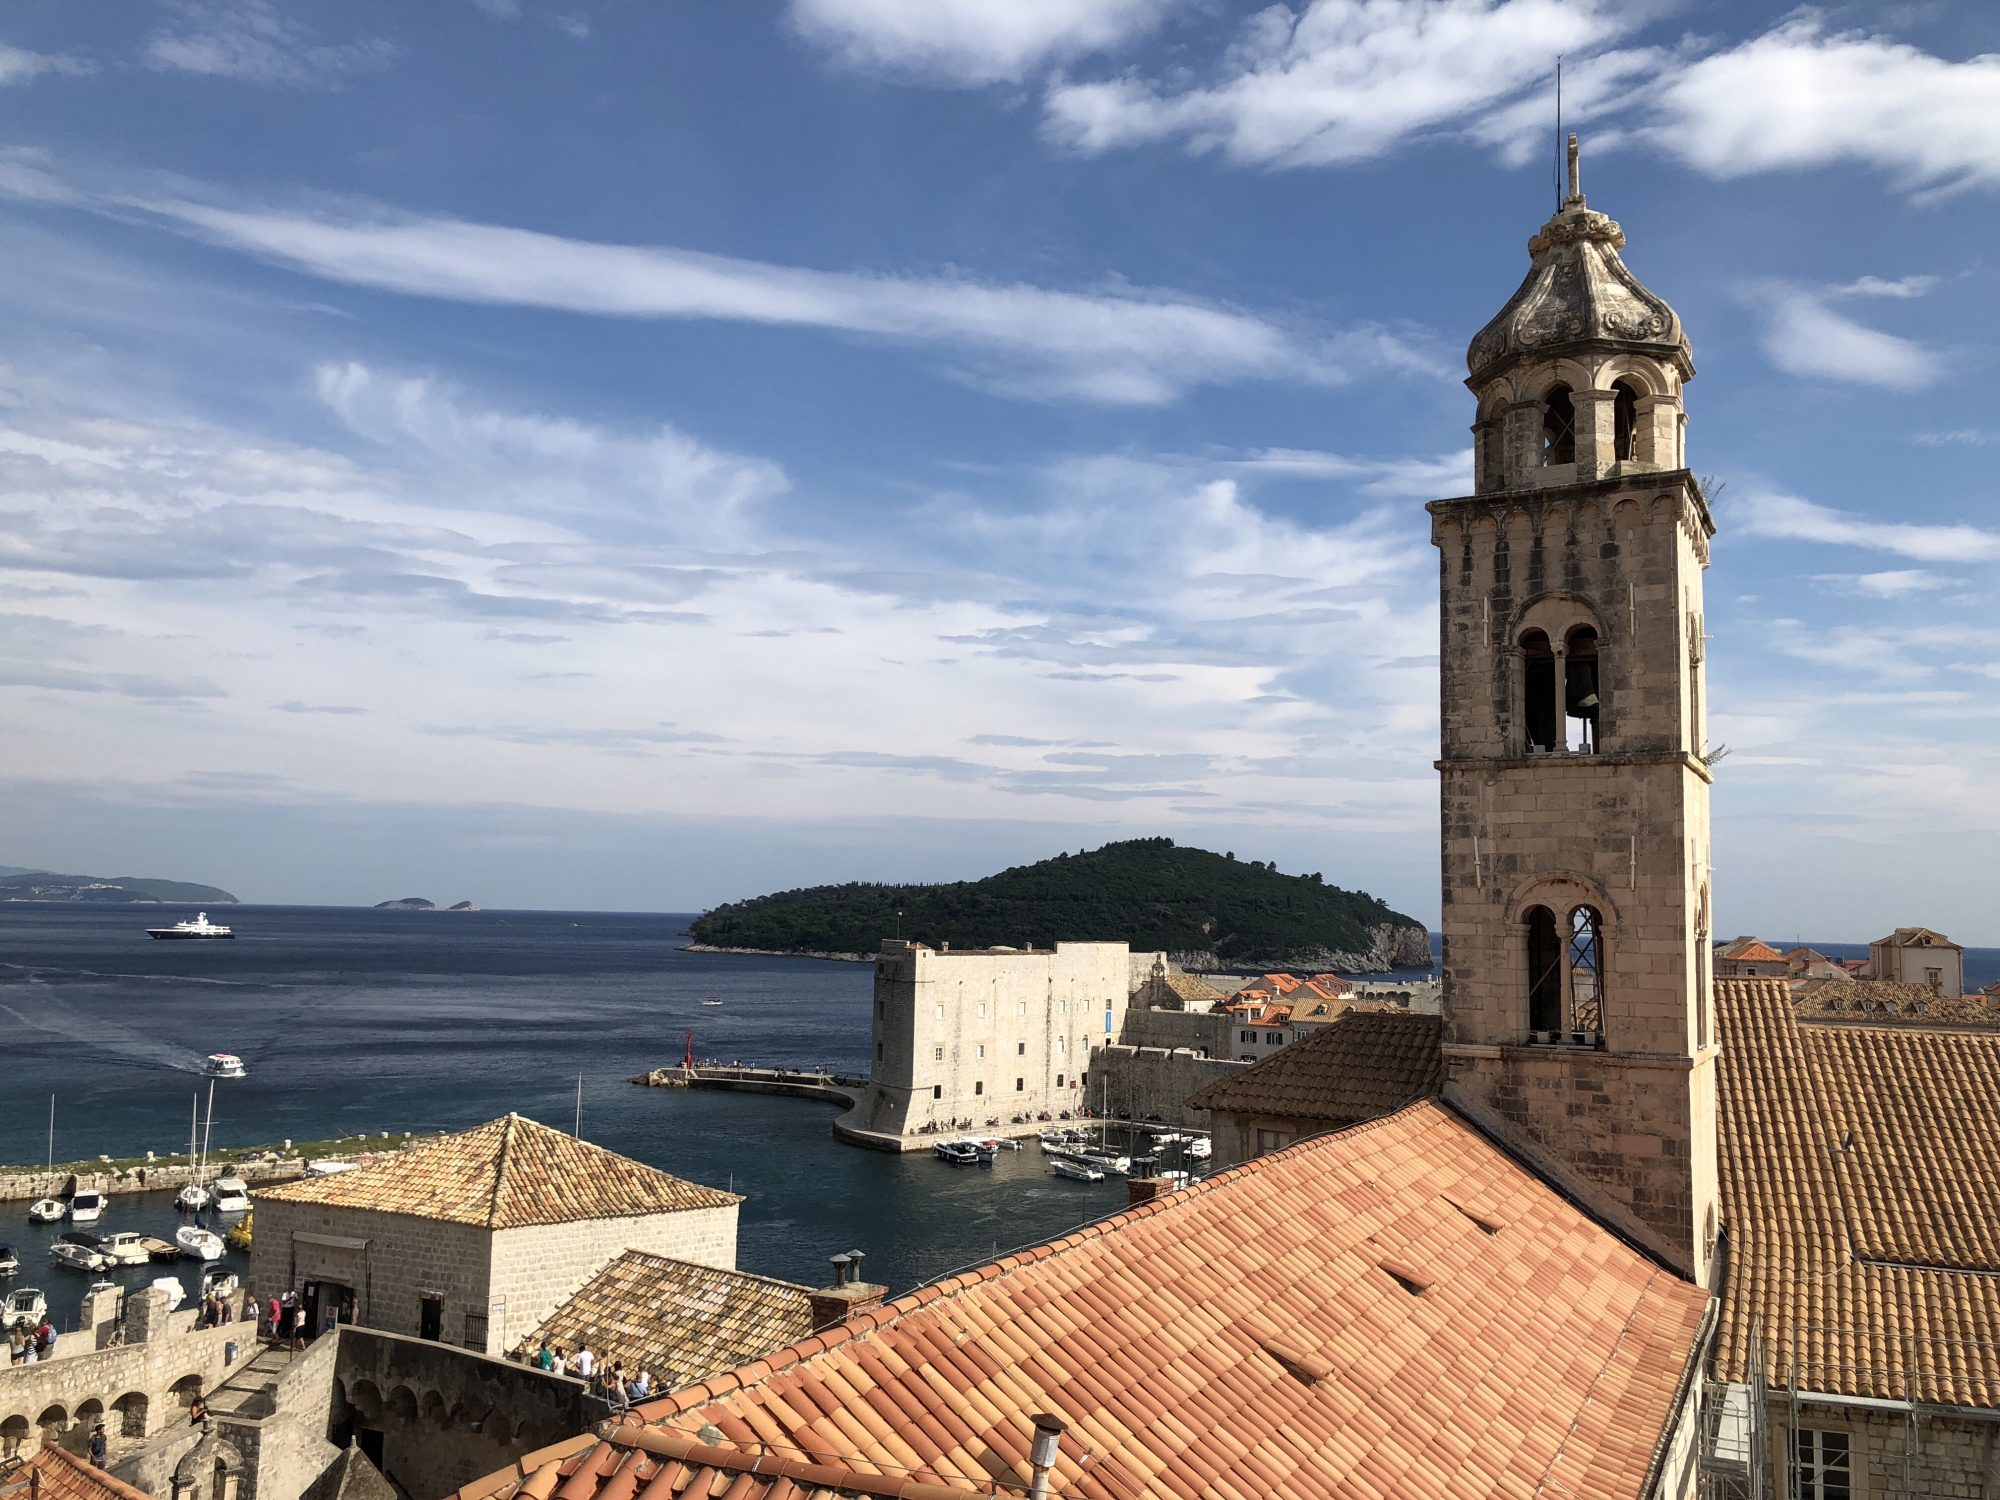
x=87, y=1215
x=201, y=1244
x=76, y=1258
x=191, y=1199
x=47, y=1210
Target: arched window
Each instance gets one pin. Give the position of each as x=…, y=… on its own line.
x=1558, y=427
x=1544, y=970
x=1586, y=969
x=1538, y=690
x=1624, y=421
x=1580, y=701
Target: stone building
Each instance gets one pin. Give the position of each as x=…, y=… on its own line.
x=1575, y=783
x=1916, y=955
x=985, y=1033
x=1750, y=958
x=475, y=1238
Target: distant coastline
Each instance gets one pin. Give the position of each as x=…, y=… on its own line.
x=47, y=887
x=835, y=958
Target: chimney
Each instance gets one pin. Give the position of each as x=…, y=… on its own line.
x=1042, y=1454
x=848, y=1295
x=1142, y=1186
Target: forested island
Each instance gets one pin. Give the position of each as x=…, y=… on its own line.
x=421, y=903
x=1209, y=911
x=106, y=890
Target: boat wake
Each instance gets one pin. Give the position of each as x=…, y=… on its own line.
x=108, y=1040
x=41, y=974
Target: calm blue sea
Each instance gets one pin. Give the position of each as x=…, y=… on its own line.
x=361, y=1021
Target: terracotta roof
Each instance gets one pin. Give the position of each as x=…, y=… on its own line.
x=1192, y=987
x=57, y=1474
x=1890, y=1002
x=1334, y=1008
x=1359, y=1067
x=503, y=1175
x=1400, y=1309
x=1917, y=937
x=1751, y=951
x=676, y=1320
x=1862, y=1197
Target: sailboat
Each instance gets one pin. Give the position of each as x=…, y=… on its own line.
x=193, y=1198
x=193, y=1239
x=49, y=1210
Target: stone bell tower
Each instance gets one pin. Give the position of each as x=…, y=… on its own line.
x=1575, y=789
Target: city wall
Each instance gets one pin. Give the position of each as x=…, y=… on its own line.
x=1143, y=1083
x=135, y=1389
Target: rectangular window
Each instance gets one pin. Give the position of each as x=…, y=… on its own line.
x=1020, y=1084
x=1272, y=1039
x=979, y=1088
x=1249, y=1036
x=878, y=1052
x=1020, y=1049
x=982, y=1049
x=937, y=1091
x=1063, y=1006
x=1060, y=1041
x=1023, y=1007
x=1058, y=1080
x=1822, y=1466
x=982, y=1010
x=937, y=1054
x=940, y=1012
x=1272, y=1140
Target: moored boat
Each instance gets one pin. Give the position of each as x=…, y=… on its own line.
x=124, y=1249
x=86, y=1206
x=159, y=1249
x=200, y=927
x=47, y=1210
x=10, y=1263
x=1076, y=1171
x=958, y=1153
x=191, y=1199
x=231, y=1195
x=25, y=1308
x=76, y=1257
x=199, y=1243
x=239, y=1235
x=220, y=1284
x=175, y=1289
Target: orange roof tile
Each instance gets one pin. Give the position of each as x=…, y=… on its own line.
x=503, y=1175
x=1752, y=951
x=1863, y=1201
x=57, y=1474
x=1363, y=1065
x=1354, y=1315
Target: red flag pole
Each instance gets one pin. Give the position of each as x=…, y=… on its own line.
x=687, y=1060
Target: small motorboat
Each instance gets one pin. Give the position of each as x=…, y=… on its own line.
x=124, y=1249
x=222, y=1065
x=328, y=1167
x=711, y=1002
x=198, y=1243
x=191, y=1199
x=86, y=1206
x=223, y=1284
x=1001, y=1143
x=200, y=927
x=1200, y=1148
x=958, y=1153
x=25, y=1308
x=1076, y=1171
x=171, y=1285
x=1105, y=1161
x=67, y=1252
x=47, y=1211
x=159, y=1249
x=10, y=1263
x=238, y=1235
x=231, y=1195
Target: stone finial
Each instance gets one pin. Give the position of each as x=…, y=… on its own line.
x=1575, y=176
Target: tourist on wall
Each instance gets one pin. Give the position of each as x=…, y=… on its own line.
x=100, y=1446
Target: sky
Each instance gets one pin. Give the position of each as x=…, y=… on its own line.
x=635, y=455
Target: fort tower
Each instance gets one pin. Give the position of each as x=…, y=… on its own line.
x=1575, y=791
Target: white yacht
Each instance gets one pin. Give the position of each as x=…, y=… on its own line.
x=199, y=1243
x=222, y=1065
x=78, y=1257
x=25, y=1308
x=200, y=927
x=231, y=1196
x=124, y=1249
x=86, y=1206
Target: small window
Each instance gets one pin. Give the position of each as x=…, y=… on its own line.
x=1021, y=1007
x=1020, y=1084
x=1822, y=1466
x=937, y=1054
x=939, y=1010
x=1249, y=1036
x=1272, y=1140
x=937, y=1091
x=1544, y=970
x=1538, y=690
x=1558, y=427
x=1059, y=1082
x=981, y=1051
x=1060, y=1045
x=1063, y=1006
x=979, y=1088
x=1624, y=421
x=982, y=1010
x=878, y=1052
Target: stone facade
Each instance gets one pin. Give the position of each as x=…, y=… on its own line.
x=1575, y=792
x=1891, y=1451
x=990, y=1033
x=483, y=1286
x=1916, y=955
x=1145, y=1083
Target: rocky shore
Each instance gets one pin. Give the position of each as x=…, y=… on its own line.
x=838, y=958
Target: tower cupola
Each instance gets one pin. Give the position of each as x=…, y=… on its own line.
x=1579, y=376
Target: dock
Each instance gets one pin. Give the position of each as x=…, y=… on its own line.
x=798, y=1083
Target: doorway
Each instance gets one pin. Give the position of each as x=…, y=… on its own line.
x=430, y=1318
x=327, y=1305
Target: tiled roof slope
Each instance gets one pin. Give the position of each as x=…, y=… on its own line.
x=1400, y=1309
x=1362, y=1066
x=677, y=1320
x=1891, y=1002
x=57, y=1474
x=1192, y=987
x=505, y=1174
x=1863, y=1201
x=1752, y=951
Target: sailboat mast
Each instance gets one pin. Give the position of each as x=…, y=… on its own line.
x=52, y=1133
x=207, y=1125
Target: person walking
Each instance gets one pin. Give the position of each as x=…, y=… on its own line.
x=100, y=1446
x=545, y=1360
x=559, y=1365
x=276, y=1310
x=586, y=1362
x=295, y=1327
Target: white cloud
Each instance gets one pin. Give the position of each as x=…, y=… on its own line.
x=1961, y=437
x=1902, y=287
x=970, y=42
x=1788, y=518
x=1894, y=583
x=1804, y=336
x=1341, y=80
x=1117, y=345
x=18, y=65
x=254, y=42
x=1800, y=96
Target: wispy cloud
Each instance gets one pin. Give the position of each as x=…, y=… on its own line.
x=1960, y=437
x=967, y=43
x=19, y=65
x=1788, y=518
x=1893, y=583
x=1804, y=335
x=254, y=42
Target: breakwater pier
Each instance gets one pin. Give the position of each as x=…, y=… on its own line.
x=153, y=1173
x=798, y=1083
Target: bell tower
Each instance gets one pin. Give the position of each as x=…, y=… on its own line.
x=1575, y=784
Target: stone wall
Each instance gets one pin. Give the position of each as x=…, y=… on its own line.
x=137, y=1390
x=392, y=1261
x=1196, y=1031
x=283, y=1438
x=987, y=1034
x=442, y=1417
x=1139, y=1083
x=28, y=1183
x=1940, y=1458
x=536, y=1269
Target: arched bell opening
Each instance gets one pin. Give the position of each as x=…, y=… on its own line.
x=1544, y=955
x=1580, y=689
x=1624, y=421
x=1538, y=691
x=1558, y=427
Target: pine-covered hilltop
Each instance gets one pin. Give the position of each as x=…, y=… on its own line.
x=1210, y=911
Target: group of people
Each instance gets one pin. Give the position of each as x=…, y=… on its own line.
x=612, y=1384
x=215, y=1311
x=27, y=1345
x=286, y=1321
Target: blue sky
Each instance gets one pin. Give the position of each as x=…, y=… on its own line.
x=639, y=455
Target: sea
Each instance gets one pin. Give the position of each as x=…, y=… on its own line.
x=362, y=1023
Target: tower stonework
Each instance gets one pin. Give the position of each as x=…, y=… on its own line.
x=1575, y=790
